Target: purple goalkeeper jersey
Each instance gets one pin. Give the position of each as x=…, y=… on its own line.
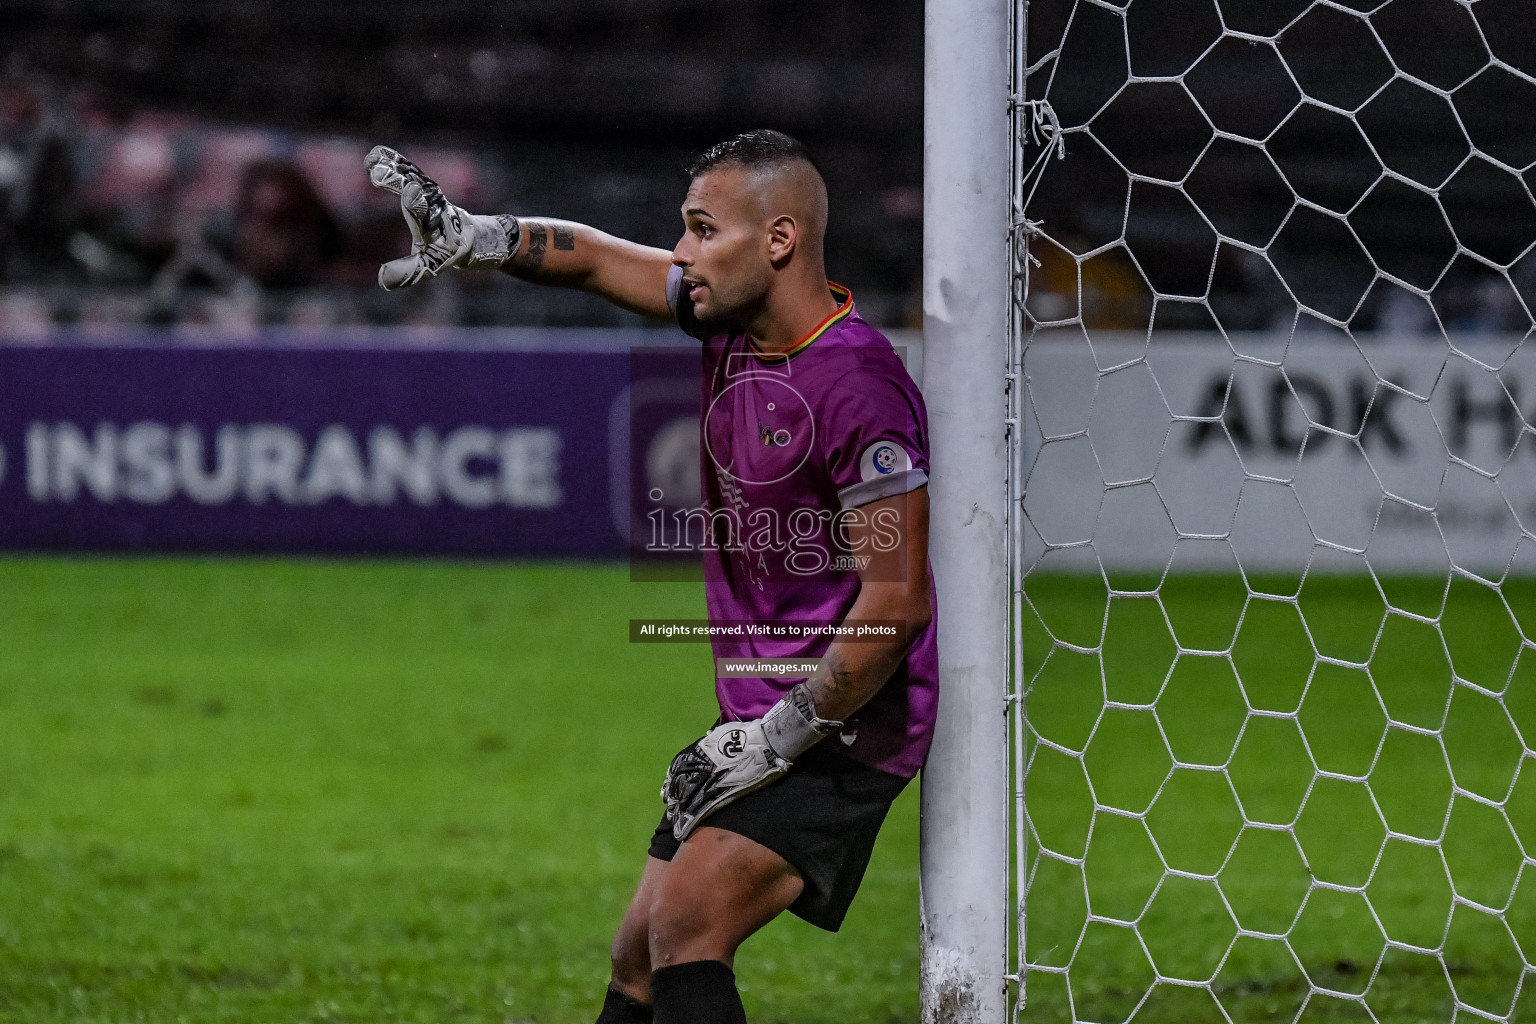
x=792, y=444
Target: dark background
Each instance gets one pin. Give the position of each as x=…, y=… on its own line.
x=1269, y=154
x=197, y=163
x=128, y=128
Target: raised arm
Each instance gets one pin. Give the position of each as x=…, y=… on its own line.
x=552, y=252
x=565, y=254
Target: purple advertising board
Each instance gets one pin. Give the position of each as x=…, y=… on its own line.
x=463, y=450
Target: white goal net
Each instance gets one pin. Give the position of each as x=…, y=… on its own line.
x=1274, y=510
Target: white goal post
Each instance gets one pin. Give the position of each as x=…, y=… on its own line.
x=966, y=288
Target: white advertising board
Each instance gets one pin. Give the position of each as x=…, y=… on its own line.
x=1188, y=452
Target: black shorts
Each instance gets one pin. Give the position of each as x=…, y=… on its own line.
x=822, y=817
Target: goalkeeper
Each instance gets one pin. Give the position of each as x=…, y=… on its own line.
x=818, y=445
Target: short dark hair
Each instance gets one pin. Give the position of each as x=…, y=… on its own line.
x=761, y=147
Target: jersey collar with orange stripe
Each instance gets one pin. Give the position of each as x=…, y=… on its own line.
x=844, y=299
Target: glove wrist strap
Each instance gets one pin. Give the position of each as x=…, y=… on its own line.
x=495, y=239
x=791, y=726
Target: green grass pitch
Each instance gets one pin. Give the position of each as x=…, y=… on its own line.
x=274, y=791
x=1451, y=767
x=267, y=791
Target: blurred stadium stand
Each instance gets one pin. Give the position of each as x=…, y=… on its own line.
x=1326, y=157
x=199, y=164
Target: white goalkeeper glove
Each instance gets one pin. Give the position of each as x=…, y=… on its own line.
x=736, y=758
x=442, y=235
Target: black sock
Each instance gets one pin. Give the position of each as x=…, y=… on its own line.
x=619, y=1008
x=701, y=992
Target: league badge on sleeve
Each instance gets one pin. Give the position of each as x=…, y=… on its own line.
x=883, y=459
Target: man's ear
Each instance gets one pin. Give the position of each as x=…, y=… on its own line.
x=783, y=236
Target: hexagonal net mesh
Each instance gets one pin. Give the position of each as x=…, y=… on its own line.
x=1274, y=510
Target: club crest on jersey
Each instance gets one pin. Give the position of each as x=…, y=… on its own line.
x=883, y=459
x=773, y=438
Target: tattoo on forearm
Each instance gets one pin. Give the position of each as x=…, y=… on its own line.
x=529, y=266
x=828, y=685
x=850, y=676
x=538, y=242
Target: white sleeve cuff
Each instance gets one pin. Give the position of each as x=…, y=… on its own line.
x=866, y=491
x=674, y=287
